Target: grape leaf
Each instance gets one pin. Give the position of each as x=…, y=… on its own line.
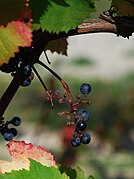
x=76, y=173
x=21, y=153
x=63, y=16
x=59, y=46
x=39, y=7
x=12, y=36
x=12, y=10
x=36, y=170
x=125, y=7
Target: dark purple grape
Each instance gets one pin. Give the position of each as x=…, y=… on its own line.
x=84, y=114
x=13, y=131
x=85, y=88
x=75, y=142
x=27, y=70
x=8, y=135
x=26, y=82
x=86, y=138
x=81, y=125
x=16, y=121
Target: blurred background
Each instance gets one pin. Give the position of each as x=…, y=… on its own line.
x=106, y=62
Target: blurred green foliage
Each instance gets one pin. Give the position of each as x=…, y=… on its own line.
x=81, y=61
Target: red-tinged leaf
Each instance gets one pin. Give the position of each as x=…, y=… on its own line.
x=12, y=36
x=59, y=46
x=21, y=154
x=12, y=10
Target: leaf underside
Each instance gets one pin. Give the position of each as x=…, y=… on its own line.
x=59, y=46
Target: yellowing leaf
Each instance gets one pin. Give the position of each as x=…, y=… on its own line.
x=22, y=152
x=125, y=7
x=12, y=36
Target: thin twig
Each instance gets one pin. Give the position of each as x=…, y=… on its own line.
x=50, y=70
x=47, y=57
x=39, y=77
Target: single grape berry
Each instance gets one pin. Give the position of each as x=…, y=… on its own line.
x=8, y=135
x=85, y=88
x=26, y=82
x=86, y=138
x=81, y=125
x=75, y=142
x=13, y=131
x=27, y=70
x=16, y=121
x=83, y=114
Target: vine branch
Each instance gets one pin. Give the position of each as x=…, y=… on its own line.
x=95, y=26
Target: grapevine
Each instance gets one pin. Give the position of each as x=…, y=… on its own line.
x=35, y=29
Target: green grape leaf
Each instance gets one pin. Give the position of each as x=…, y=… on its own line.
x=59, y=46
x=125, y=7
x=62, y=16
x=12, y=36
x=39, y=7
x=37, y=170
x=12, y=10
x=76, y=173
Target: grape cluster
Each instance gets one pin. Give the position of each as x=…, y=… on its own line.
x=21, y=64
x=27, y=75
x=82, y=117
x=81, y=123
x=9, y=133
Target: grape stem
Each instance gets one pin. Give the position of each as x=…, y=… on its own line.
x=43, y=84
x=64, y=84
x=39, y=77
x=47, y=57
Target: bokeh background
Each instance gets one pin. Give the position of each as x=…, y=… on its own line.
x=107, y=63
